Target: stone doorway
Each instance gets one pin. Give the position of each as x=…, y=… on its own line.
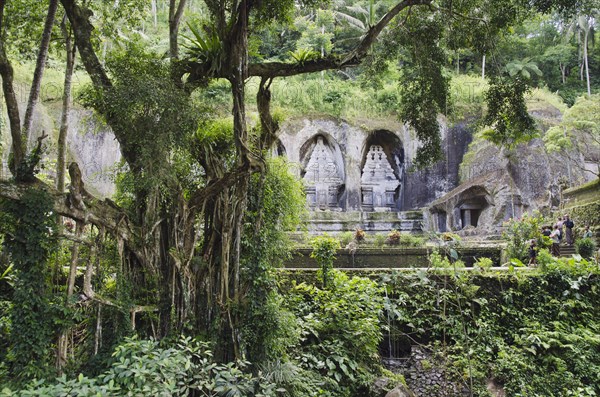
x=470, y=211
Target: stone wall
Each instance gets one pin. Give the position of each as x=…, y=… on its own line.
x=373, y=258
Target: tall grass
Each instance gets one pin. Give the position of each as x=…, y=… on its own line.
x=52, y=81
x=326, y=94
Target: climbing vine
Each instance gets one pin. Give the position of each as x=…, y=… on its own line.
x=275, y=207
x=324, y=250
x=29, y=227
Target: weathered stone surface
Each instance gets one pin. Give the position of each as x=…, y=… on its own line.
x=90, y=143
x=426, y=375
x=323, y=178
x=360, y=257
x=378, y=181
x=495, y=389
x=374, y=165
x=499, y=185
x=400, y=391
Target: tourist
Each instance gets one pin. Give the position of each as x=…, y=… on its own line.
x=555, y=241
x=532, y=253
x=587, y=233
x=546, y=231
x=569, y=224
x=559, y=226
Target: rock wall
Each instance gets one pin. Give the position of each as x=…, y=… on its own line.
x=90, y=143
x=497, y=184
x=425, y=375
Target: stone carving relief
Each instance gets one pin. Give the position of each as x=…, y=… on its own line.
x=322, y=178
x=379, y=183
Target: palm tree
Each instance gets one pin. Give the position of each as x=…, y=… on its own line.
x=583, y=24
x=359, y=17
x=586, y=25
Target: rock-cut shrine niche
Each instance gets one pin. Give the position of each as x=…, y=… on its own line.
x=382, y=170
x=470, y=207
x=378, y=181
x=323, y=175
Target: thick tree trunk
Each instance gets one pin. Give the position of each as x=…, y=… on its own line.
x=36, y=84
x=12, y=107
x=66, y=106
x=175, y=14
x=12, y=104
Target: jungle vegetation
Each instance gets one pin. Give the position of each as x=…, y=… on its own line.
x=187, y=251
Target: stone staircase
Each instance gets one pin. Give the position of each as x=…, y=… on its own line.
x=566, y=251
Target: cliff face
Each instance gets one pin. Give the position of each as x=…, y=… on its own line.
x=497, y=184
x=90, y=143
x=365, y=167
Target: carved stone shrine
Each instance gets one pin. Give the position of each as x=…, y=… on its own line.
x=379, y=183
x=322, y=179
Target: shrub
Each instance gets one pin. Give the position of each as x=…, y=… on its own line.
x=152, y=368
x=409, y=240
x=379, y=240
x=536, y=333
x=340, y=332
x=324, y=250
x=346, y=238
x=518, y=232
x=359, y=235
x=393, y=237
x=585, y=247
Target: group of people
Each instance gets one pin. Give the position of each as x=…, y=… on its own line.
x=563, y=228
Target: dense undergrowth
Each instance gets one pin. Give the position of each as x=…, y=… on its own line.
x=534, y=333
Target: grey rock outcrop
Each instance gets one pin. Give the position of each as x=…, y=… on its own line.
x=499, y=185
x=400, y=391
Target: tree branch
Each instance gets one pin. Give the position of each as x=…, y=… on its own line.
x=216, y=186
x=36, y=84
x=99, y=213
x=198, y=71
x=79, y=18
x=175, y=14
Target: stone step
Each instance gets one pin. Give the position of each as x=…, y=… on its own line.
x=567, y=251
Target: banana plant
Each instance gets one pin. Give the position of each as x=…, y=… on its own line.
x=525, y=67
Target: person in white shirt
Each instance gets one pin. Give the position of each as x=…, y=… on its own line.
x=555, y=236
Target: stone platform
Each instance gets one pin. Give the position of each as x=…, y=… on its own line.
x=337, y=221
